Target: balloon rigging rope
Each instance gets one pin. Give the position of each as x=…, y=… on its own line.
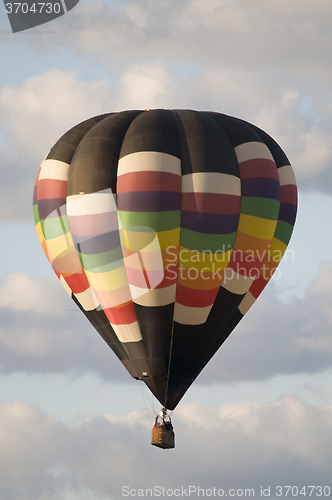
x=169, y=363
x=171, y=343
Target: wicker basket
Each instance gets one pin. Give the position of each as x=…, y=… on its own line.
x=163, y=438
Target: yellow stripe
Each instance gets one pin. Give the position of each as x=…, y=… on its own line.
x=40, y=232
x=257, y=226
x=277, y=249
x=60, y=246
x=127, y=241
x=136, y=241
x=112, y=280
x=169, y=238
x=210, y=263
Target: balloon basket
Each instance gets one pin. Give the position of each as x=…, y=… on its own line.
x=162, y=431
x=163, y=438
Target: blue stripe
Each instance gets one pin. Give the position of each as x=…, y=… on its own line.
x=209, y=223
x=148, y=201
x=262, y=187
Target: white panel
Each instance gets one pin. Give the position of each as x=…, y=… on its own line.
x=191, y=315
x=247, y=301
x=236, y=283
x=149, y=161
x=252, y=150
x=128, y=333
x=286, y=175
x=152, y=261
x=90, y=204
x=154, y=297
x=113, y=298
x=54, y=169
x=211, y=182
x=65, y=285
x=87, y=299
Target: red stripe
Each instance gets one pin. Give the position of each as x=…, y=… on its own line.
x=288, y=194
x=195, y=298
x=211, y=203
x=258, y=286
x=51, y=188
x=148, y=181
x=121, y=315
x=77, y=282
x=258, y=167
x=37, y=177
x=170, y=276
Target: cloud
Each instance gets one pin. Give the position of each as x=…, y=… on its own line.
x=144, y=86
x=22, y=292
x=245, y=445
x=279, y=338
x=37, y=113
x=233, y=32
x=46, y=105
x=42, y=331
x=33, y=117
x=265, y=65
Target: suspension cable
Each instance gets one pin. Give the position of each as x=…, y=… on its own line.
x=169, y=363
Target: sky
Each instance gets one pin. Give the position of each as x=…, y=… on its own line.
x=73, y=424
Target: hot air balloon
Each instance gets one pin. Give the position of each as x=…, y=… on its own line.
x=164, y=226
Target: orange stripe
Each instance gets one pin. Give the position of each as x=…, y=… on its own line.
x=251, y=245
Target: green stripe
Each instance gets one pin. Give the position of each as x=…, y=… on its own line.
x=200, y=242
x=36, y=213
x=265, y=208
x=102, y=262
x=55, y=226
x=283, y=231
x=159, y=221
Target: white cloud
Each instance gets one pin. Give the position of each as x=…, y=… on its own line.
x=144, y=86
x=22, y=292
x=315, y=152
x=46, y=105
x=253, y=444
x=263, y=64
x=34, y=115
x=323, y=282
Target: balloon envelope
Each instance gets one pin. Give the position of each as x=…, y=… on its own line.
x=165, y=226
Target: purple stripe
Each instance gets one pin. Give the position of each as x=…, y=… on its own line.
x=288, y=213
x=262, y=187
x=97, y=244
x=149, y=201
x=34, y=199
x=48, y=205
x=209, y=223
